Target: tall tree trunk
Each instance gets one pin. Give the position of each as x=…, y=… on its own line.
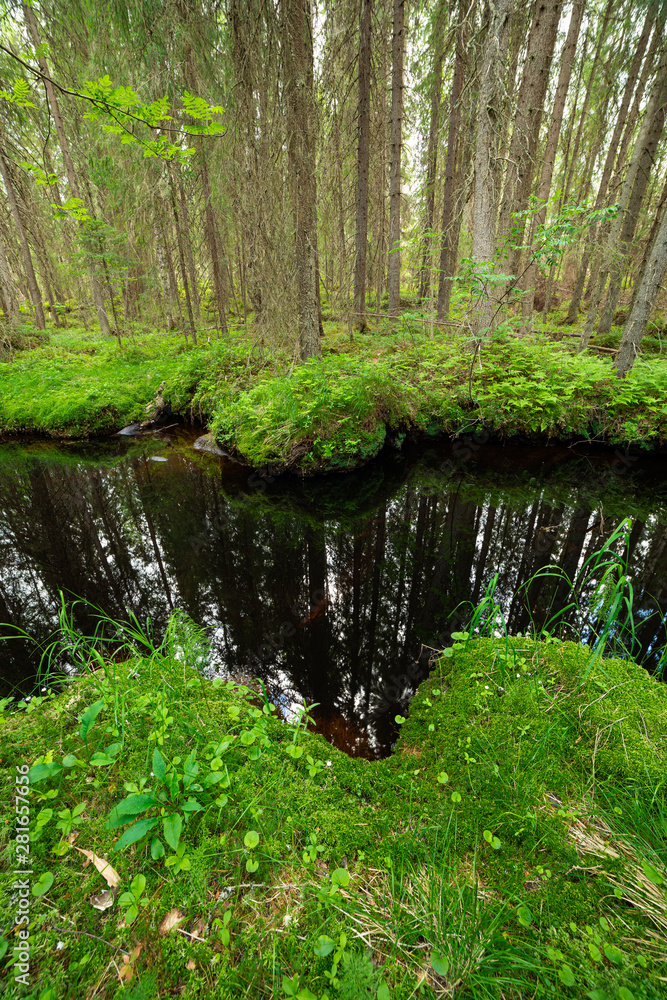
x=181, y=254
x=632, y=194
x=33, y=287
x=363, y=157
x=449, y=245
x=633, y=73
x=592, y=79
x=631, y=216
x=432, y=151
x=551, y=148
x=212, y=238
x=528, y=118
x=63, y=142
x=487, y=166
x=300, y=102
x=394, y=261
x=9, y=303
x=187, y=243
x=644, y=300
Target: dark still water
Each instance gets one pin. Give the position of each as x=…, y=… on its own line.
x=326, y=589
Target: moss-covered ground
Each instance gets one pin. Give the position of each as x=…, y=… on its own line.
x=513, y=846
x=337, y=411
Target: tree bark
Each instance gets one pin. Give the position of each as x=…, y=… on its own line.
x=631, y=216
x=528, y=118
x=551, y=148
x=449, y=245
x=33, y=287
x=432, y=151
x=181, y=254
x=645, y=296
x=300, y=102
x=363, y=158
x=633, y=73
x=63, y=142
x=487, y=166
x=394, y=261
x=632, y=194
x=212, y=238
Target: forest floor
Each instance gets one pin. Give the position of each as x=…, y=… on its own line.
x=337, y=411
x=188, y=841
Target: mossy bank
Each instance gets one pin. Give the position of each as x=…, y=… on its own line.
x=513, y=845
x=338, y=411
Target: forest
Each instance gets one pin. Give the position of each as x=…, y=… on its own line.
x=333, y=502
x=195, y=167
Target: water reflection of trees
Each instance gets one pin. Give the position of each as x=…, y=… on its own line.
x=333, y=609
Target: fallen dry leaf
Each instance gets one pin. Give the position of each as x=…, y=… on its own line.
x=127, y=971
x=102, y=901
x=109, y=874
x=198, y=929
x=72, y=837
x=191, y=965
x=171, y=920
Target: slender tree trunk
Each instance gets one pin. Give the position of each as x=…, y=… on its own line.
x=363, y=157
x=212, y=237
x=181, y=254
x=644, y=301
x=631, y=216
x=394, y=261
x=632, y=194
x=633, y=73
x=487, y=166
x=528, y=118
x=187, y=243
x=551, y=148
x=9, y=303
x=592, y=79
x=432, y=151
x=75, y=190
x=449, y=245
x=298, y=25
x=33, y=287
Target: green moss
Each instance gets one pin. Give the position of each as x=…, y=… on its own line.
x=334, y=412
x=519, y=739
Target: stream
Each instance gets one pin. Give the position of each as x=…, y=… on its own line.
x=334, y=589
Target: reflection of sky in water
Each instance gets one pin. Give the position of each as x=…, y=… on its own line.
x=326, y=591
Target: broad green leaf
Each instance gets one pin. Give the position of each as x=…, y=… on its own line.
x=439, y=963
x=135, y=832
x=625, y=994
x=251, y=839
x=383, y=992
x=88, y=718
x=137, y=885
x=100, y=759
x=614, y=954
x=325, y=945
x=595, y=952
x=157, y=849
x=652, y=873
x=456, y=796
x=172, y=826
x=566, y=975
x=159, y=766
x=127, y=809
x=43, y=884
x=41, y=772
x=341, y=877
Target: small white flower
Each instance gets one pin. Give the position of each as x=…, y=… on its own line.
x=486, y=687
x=328, y=763
x=60, y=946
x=518, y=675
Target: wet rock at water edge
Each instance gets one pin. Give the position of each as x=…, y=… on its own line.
x=207, y=444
